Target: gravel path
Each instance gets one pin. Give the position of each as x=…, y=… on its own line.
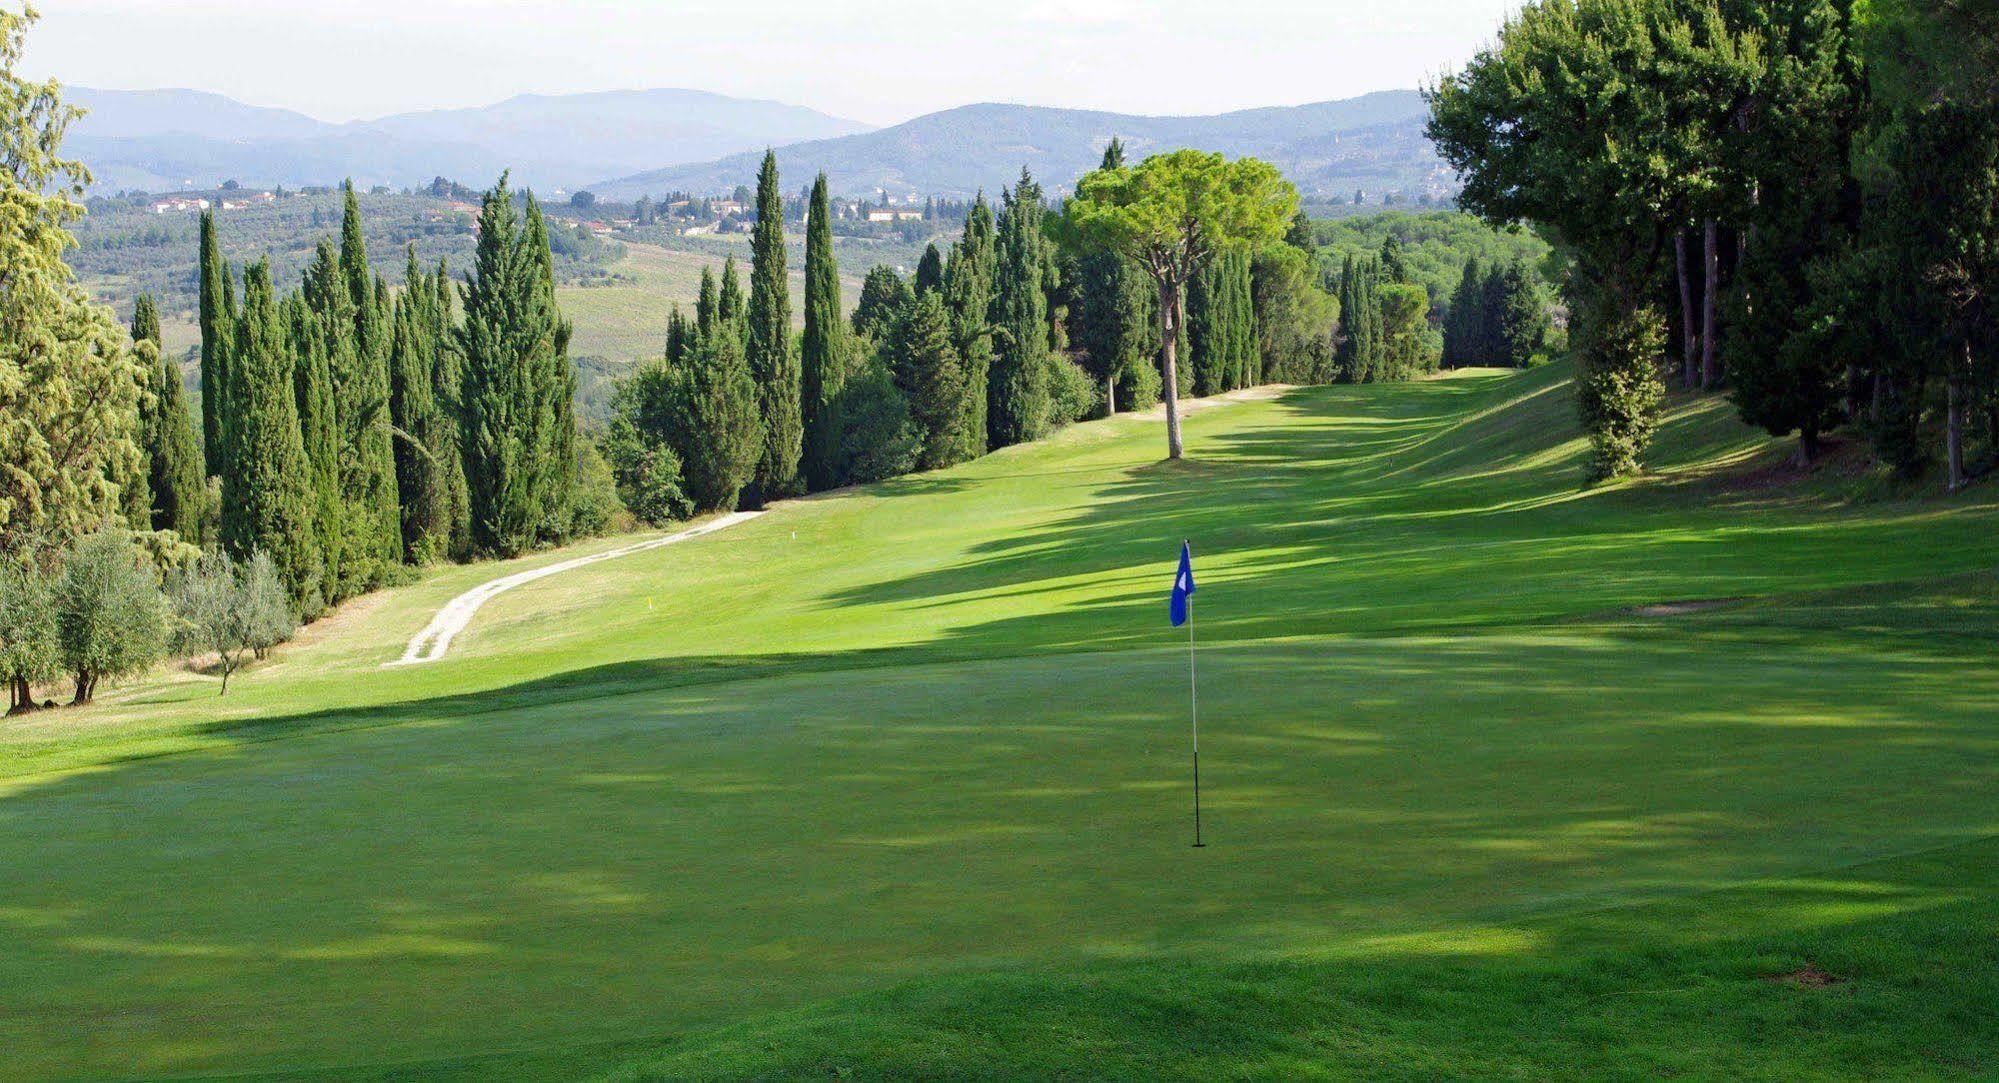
x=431, y=643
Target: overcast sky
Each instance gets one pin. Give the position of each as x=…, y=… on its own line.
x=868, y=60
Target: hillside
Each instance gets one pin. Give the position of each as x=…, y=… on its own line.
x=1504, y=777
x=1375, y=142
x=155, y=140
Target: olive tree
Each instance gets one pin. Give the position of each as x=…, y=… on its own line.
x=111, y=620
x=231, y=609
x=28, y=651
x=1171, y=214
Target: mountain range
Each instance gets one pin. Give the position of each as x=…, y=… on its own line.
x=622, y=144
x=158, y=140
x=1375, y=142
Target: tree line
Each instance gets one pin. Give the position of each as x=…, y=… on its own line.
x=1798, y=198
x=1030, y=320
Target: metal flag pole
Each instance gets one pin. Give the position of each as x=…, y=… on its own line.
x=1194, y=714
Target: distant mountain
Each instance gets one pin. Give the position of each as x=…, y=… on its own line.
x=1374, y=142
x=161, y=139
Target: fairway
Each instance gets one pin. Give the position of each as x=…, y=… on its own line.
x=893, y=781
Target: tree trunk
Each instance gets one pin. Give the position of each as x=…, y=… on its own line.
x=1690, y=372
x=20, y=697
x=1110, y=395
x=1808, y=448
x=225, y=680
x=1711, y=280
x=86, y=685
x=1169, y=341
x=1954, y=426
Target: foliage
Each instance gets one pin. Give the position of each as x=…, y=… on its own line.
x=111, y=620
x=773, y=367
x=822, y=359
x=266, y=495
x=1171, y=213
x=229, y=609
x=1618, y=390
x=636, y=445
x=30, y=651
x=883, y=296
x=931, y=376
x=877, y=437
x=70, y=384
x=166, y=435
x=1017, y=382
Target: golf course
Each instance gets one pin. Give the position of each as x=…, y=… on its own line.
x=1693, y=774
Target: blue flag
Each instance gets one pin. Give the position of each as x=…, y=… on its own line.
x=1183, y=585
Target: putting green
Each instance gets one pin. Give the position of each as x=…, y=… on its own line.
x=895, y=782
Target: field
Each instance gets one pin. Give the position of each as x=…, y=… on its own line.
x=624, y=318
x=1697, y=775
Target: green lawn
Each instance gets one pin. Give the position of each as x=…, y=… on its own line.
x=894, y=783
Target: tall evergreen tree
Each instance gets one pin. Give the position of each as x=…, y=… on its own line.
x=504, y=343
x=319, y=427
x=968, y=289
x=729, y=304
x=773, y=367
x=883, y=297
x=266, y=486
x=420, y=495
x=1017, y=397
x=716, y=432
x=1464, y=323
x=1522, y=319
x=372, y=543
x=924, y=361
x=554, y=392
x=218, y=326
x=822, y=360
x=707, y=304
x=930, y=270
x=166, y=433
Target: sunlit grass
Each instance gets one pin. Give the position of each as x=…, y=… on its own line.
x=894, y=782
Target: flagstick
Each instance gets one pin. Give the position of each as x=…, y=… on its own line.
x=1194, y=710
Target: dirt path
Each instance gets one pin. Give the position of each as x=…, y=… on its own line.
x=430, y=644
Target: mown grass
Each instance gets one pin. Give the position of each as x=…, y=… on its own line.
x=893, y=783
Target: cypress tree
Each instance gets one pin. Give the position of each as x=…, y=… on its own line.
x=1464, y=323
x=1017, y=406
x=372, y=542
x=930, y=270
x=822, y=360
x=266, y=489
x=717, y=434
x=707, y=304
x=412, y=410
x=883, y=297
x=447, y=388
x=553, y=394
x=1522, y=321
x=503, y=344
x=681, y=337
x=729, y=305
x=968, y=290
x=1492, y=345
x=925, y=364
x=319, y=427
x=1207, y=334
x=773, y=368
x=218, y=319
x=167, y=437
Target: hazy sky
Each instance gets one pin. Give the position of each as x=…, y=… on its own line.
x=870, y=60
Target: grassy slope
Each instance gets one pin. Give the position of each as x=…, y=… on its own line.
x=906, y=767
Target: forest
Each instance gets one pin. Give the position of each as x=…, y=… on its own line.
x=1798, y=200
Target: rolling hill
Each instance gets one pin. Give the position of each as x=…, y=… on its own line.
x=161, y=139
x=1506, y=778
x=1375, y=142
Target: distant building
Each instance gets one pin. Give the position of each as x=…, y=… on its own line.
x=180, y=205
x=723, y=208
x=880, y=214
